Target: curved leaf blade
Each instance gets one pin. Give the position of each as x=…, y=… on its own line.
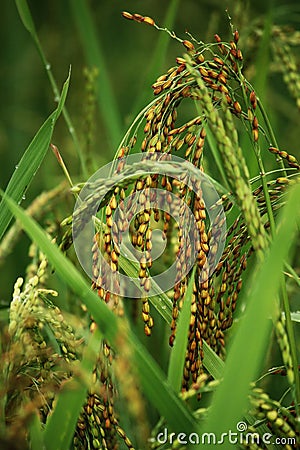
x=30, y=162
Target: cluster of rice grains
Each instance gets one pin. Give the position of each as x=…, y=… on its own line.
x=98, y=426
x=211, y=76
x=281, y=422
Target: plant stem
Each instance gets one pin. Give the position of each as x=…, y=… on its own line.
x=266, y=192
x=270, y=131
x=64, y=111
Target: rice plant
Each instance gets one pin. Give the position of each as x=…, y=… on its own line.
x=178, y=320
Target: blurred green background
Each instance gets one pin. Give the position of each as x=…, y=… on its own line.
x=131, y=63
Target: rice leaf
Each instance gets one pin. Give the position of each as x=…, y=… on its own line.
x=215, y=151
x=30, y=162
x=262, y=68
x=161, y=394
x=36, y=435
x=26, y=17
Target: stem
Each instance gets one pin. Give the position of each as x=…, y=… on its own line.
x=266, y=192
x=64, y=111
x=270, y=131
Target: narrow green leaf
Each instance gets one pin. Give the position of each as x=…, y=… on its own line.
x=262, y=69
x=26, y=169
x=26, y=17
x=35, y=433
x=63, y=96
x=246, y=144
x=177, y=357
x=212, y=362
x=30, y=162
x=253, y=332
x=157, y=389
x=95, y=58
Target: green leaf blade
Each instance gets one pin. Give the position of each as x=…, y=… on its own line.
x=30, y=162
x=26, y=17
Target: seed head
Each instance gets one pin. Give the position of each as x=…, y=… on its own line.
x=188, y=45
x=200, y=59
x=237, y=107
x=149, y=21
x=127, y=15
x=253, y=99
x=239, y=55
x=236, y=36
x=273, y=150
x=255, y=123
x=138, y=18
